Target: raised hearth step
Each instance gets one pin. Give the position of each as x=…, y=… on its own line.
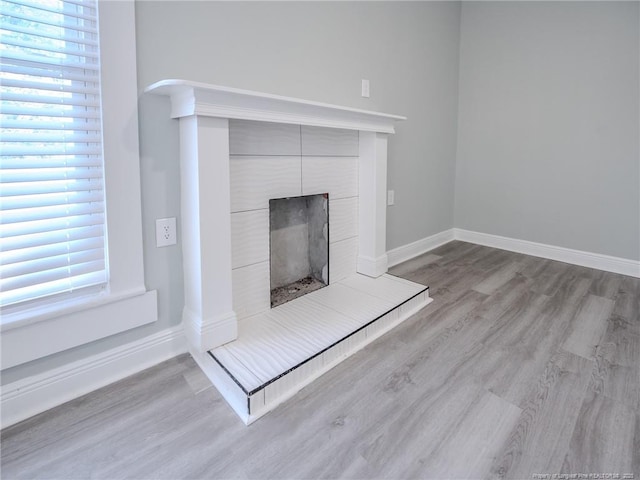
x=280, y=351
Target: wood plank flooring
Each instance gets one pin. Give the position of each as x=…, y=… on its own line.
x=520, y=366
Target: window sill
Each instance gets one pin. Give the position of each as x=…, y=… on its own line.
x=77, y=322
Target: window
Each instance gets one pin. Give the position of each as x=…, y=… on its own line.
x=52, y=219
x=37, y=328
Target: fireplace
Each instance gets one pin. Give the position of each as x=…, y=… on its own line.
x=284, y=181
x=262, y=177
x=298, y=246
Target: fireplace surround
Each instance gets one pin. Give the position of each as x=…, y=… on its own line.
x=205, y=112
x=239, y=150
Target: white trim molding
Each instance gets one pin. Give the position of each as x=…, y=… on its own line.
x=372, y=267
x=598, y=261
x=419, y=247
x=32, y=395
x=372, y=204
x=25, y=342
x=208, y=314
x=201, y=332
x=201, y=99
x=576, y=257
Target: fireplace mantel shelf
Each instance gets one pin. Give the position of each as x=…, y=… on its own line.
x=194, y=98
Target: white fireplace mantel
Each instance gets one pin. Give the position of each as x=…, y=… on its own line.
x=204, y=112
x=193, y=98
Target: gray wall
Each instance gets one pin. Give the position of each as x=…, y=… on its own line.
x=321, y=51
x=318, y=51
x=548, y=124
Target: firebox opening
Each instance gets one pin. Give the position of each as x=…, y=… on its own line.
x=299, y=246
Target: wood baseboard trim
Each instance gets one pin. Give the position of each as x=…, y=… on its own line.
x=598, y=261
x=33, y=395
x=414, y=249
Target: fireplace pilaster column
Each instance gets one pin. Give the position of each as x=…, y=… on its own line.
x=208, y=317
x=372, y=251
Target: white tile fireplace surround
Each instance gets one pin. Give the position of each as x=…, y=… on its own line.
x=238, y=150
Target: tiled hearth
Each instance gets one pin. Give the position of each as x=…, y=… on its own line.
x=280, y=350
x=239, y=150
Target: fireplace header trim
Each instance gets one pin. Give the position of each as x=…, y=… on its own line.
x=194, y=98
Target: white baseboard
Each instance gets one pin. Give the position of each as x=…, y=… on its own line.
x=27, y=397
x=207, y=334
x=576, y=257
x=411, y=250
x=372, y=267
x=598, y=261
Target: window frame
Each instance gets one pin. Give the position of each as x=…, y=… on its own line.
x=52, y=267
x=44, y=328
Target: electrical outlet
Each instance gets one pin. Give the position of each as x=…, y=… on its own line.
x=365, y=88
x=391, y=197
x=166, y=232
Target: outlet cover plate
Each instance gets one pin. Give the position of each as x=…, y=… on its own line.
x=366, y=91
x=166, y=232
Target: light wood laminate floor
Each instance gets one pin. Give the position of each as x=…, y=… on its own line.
x=520, y=366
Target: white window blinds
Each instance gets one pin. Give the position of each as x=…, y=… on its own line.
x=52, y=219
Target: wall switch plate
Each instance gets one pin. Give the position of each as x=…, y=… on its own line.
x=391, y=197
x=166, y=232
x=365, y=88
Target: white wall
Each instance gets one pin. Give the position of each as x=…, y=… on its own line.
x=313, y=50
x=548, y=124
